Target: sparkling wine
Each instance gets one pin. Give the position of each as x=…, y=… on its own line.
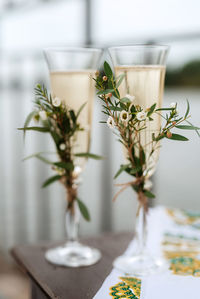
x=75, y=88
x=146, y=83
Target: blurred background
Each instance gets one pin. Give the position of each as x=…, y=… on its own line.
x=27, y=212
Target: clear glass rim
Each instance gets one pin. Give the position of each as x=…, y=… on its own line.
x=140, y=46
x=69, y=49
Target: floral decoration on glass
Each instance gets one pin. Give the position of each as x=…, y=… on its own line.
x=130, y=122
x=62, y=123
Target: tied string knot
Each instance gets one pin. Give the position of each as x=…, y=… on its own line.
x=141, y=196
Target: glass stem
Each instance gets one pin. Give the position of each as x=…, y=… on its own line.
x=141, y=228
x=72, y=222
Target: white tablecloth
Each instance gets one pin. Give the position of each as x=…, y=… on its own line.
x=174, y=234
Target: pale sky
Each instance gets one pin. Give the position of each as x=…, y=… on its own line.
x=114, y=21
x=145, y=18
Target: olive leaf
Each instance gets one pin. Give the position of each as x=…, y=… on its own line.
x=89, y=155
x=108, y=70
x=83, y=209
x=38, y=129
x=51, y=180
x=178, y=137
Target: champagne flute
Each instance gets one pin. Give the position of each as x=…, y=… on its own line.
x=144, y=70
x=71, y=80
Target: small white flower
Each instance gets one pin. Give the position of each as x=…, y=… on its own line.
x=148, y=185
x=173, y=105
x=124, y=116
x=77, y=171
x=111, y=122
x=56, y=102
x=130, y=97
x=62, y=146
x=141, y=115
x=43, y=115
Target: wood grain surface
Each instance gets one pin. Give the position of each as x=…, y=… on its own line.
x=70, y=283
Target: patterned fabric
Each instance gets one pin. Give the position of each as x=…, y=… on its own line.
x=185, y=266
x=184, y=217
x=183, y=251
x=177, y=239
x=130, y=288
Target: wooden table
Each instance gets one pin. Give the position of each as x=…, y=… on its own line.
x=49, y=281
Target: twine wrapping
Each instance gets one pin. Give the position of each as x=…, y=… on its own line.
x=142, y=198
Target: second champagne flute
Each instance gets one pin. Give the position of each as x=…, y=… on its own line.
x=71, y=78
x=143, y=67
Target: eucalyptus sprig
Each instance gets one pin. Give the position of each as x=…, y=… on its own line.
x=54, y=117
x=129, y=120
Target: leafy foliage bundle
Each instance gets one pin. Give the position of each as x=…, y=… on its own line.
x=62, y=124
x=128, y=122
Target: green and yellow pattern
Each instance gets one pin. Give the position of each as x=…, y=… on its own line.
x=128, y=288
x=183, y=252
x=184, y=217
x=185, y=266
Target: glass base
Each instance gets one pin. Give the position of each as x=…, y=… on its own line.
x=73, y=254
x=140, y=265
